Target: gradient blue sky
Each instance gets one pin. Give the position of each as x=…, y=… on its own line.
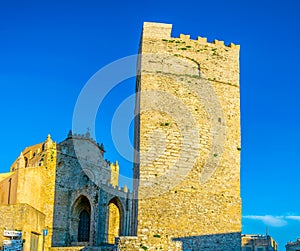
x=49, y=50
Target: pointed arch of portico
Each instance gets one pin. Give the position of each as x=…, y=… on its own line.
x=115, y=212
x=80, y=220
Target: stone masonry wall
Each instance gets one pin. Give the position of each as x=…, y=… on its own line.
x=36, y=186
x=189, y=140
x=82, y=172
x=25, y=218
x=8, y=189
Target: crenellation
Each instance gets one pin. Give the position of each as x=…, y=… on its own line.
x=218, y=42
x=202, y=39
x=184, y=37
x=234, y=46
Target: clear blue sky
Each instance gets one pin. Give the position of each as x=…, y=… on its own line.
x=49, y=50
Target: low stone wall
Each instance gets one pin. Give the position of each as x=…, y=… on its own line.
x=133, y=243
x=87, y=248
x=212, y=242
x=215, y=242
x=66, y=248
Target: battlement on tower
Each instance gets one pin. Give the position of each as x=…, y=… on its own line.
x=162, y=30
x=216, y=61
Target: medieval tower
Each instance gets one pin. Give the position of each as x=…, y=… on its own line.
x=187, y=137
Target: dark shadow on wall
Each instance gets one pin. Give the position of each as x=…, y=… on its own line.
x=211, y=242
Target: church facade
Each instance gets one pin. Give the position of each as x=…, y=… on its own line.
x=67, y=190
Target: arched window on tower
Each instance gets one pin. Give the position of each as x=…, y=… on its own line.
x=26, y=161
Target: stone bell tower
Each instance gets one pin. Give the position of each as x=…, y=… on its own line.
x=187, y=136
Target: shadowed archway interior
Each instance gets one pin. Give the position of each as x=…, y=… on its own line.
x=84, y=226
x=115, y=219
x=81, y=219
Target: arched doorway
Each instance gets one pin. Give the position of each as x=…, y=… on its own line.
x=84, y=226
x=81, y=220
x=115, y=220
